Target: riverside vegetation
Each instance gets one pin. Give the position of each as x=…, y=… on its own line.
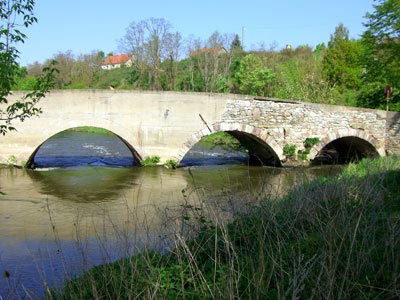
x=336, y=238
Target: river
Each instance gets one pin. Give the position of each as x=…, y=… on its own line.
x=61, y=219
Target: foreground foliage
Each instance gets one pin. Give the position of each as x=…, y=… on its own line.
x=328, y=239
x=15, y=14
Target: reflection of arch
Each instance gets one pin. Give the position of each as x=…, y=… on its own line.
x=65, y=186
x=346, y=145
x=261, y=145
x=135, y=154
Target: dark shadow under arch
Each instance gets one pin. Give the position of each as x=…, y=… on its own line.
x=345, y=150
x=136, y=156
x=260, y=153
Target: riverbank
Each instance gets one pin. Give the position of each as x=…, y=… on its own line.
x=90, y=129
x=328, y=239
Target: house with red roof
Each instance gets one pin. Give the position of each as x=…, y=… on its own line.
x=117, y=61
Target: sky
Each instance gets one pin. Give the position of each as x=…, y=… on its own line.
x=83, y=26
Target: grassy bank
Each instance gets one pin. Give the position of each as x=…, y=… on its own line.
x=329, y=239
x=90, y=129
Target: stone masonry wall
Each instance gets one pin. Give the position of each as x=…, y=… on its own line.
x=290, y=123
x=393, y=133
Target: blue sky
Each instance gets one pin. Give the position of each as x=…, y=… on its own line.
x=86, y=25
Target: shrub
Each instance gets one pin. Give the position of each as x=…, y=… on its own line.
x=171, y=164
x=150, y=161
x=289, y=150
x=310, y=142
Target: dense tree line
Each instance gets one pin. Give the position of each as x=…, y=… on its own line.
x=346, y=71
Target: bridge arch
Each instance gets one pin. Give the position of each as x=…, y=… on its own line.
x=135, y=154
x=344, y=146
x=263, y=149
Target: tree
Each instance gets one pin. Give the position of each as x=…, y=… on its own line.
x=80, y=71
x=16, y=14
x=252, y=77
x=171, y=52
x=147, y=41
x=341, y=63
x=300, y=76
x=382, y=43
x=381, y=56
x=236, y=45
x=384, y=23
x=217, y=39
x=89, y=68
x=211, y=61
x=65, y=65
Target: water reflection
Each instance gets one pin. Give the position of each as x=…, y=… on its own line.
x=85, y=184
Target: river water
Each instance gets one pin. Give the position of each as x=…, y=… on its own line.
x=56, y=222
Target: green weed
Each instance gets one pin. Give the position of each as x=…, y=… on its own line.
x=171, y=164
x=289, y=150
x=150, y=161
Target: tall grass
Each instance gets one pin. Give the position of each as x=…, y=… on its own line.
x=327, y=239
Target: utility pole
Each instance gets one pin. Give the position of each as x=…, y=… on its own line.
x=388, y=91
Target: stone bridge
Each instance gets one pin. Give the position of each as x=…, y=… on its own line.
x=168, y=124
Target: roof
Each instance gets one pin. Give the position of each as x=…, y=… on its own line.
x=214, y=50
x=117, y=59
